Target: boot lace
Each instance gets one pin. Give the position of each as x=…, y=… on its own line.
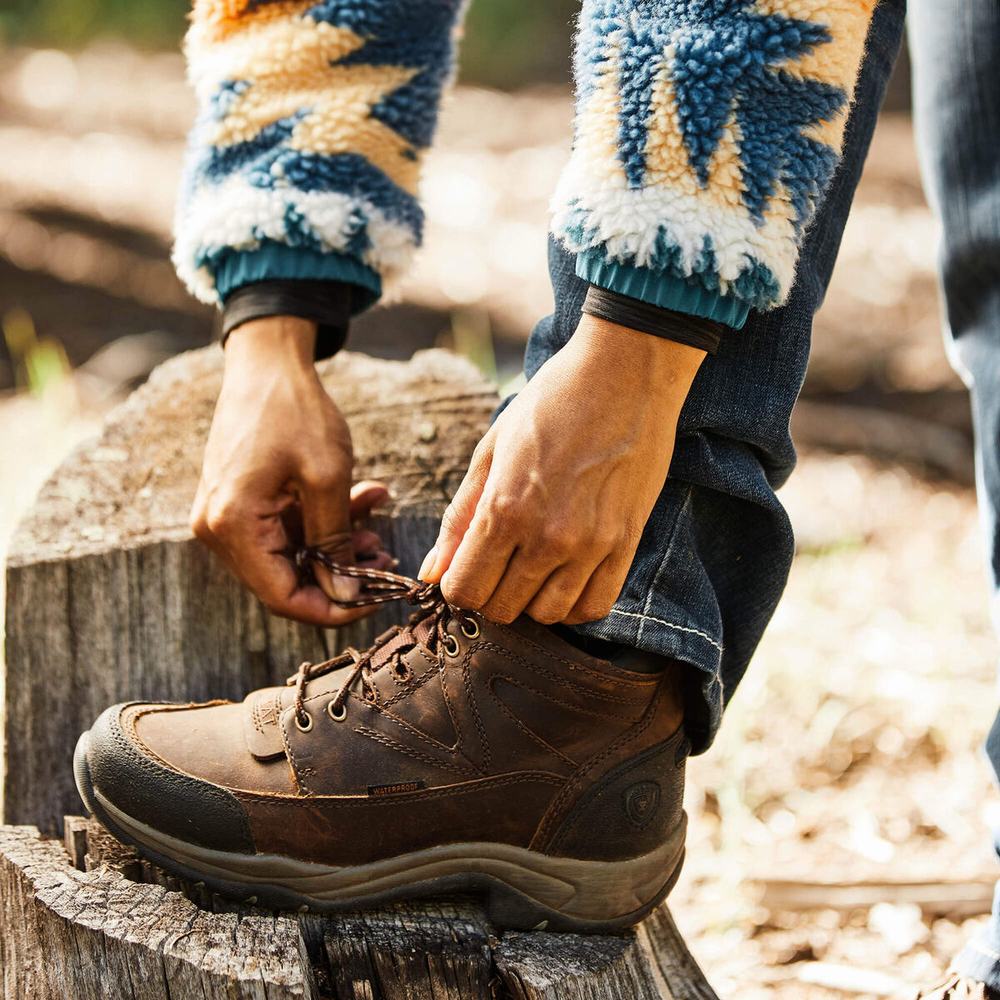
x=379, y=587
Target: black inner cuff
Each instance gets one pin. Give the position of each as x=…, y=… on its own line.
x=694, y=331
x=329, y=304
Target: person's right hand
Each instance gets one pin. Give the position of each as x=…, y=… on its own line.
x=277, y=471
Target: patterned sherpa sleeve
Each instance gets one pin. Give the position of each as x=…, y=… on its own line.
x=706, y=134
x=314, y=116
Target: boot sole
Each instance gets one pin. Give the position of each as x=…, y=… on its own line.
x=524, y=890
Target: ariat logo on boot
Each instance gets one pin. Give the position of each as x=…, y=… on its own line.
x=641, y=802
x=376, y=791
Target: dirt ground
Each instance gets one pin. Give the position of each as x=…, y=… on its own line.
x=851, y=753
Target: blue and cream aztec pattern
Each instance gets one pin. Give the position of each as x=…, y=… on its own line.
x=314, y=118
x=705, y=134
x=706, y=131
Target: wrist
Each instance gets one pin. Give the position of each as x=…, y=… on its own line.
x=287, y=341
x=631, y=355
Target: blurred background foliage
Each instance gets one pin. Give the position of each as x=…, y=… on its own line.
x=507, y=42
x=71, y=23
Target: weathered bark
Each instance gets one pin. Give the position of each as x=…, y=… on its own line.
x=90, y=920
x=109, y=598
x=96, y=935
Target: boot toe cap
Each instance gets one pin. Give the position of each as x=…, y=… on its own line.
x=116, y=772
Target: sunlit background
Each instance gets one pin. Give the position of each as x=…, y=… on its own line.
x=839, y=843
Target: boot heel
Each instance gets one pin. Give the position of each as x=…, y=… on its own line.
x=630, y=811
x=602, y=903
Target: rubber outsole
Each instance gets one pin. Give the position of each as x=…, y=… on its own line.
x=446, y=871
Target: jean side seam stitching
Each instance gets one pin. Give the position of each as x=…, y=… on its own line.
x=680, y=628
x=644, y=616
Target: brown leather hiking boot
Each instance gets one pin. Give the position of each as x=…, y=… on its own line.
x=454, y=755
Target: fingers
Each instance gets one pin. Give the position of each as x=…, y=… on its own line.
x=365, y=544
x=481, y=564
x=559, y=594
x=325, y=496
x=282, y=595
x=600, y=592
x=570, y=593
x=381, y=560
x=523, y=578
x=254, y=546
x=537, y=580
x=458, y=517
x=330, y=508
x=477, y=567
x=366, y=496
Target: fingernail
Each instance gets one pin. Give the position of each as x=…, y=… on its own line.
x=344, y=588
x=428, y=564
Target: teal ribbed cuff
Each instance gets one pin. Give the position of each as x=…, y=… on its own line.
x=660, y=289
x=236, y=268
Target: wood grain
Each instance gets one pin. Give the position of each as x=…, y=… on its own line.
x=96, y=922
x=97, y=935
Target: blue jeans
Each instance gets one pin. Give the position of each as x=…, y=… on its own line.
x=956, y=48
x=716, y=551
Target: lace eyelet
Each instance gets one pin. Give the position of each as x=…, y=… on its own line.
x=470, y=628
x=337, y=714
x=304, y=727
x=451, y=646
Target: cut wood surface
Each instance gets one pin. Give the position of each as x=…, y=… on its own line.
x=109, y=598
x=88, y=919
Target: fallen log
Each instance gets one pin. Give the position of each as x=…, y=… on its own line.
x=957, y=899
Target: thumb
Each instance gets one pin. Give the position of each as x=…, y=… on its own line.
x=458, y=516
x=326, y=524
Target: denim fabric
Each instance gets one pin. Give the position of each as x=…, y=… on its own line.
x=715, y=553
x=956, y=48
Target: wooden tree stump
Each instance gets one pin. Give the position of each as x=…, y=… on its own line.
x=91, y=921
x=108, y=599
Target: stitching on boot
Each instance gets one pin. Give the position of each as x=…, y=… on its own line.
x=543, y=831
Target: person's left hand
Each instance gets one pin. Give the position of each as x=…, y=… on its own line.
x=550, y=513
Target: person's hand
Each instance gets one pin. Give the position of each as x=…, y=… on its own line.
x=550, y=513
x=277, y=471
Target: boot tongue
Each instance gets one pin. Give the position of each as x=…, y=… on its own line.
x=419, y=633
x=263, y=709
x=261, y=720
x=423, y=630
x=403, y=640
